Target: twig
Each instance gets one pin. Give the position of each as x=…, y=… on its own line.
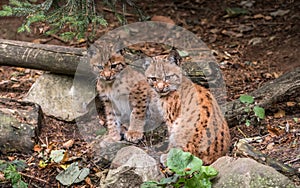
x=32, y=177
x=292, y=161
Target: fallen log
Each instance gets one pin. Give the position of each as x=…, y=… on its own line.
x=281, y=89
x=53, y=58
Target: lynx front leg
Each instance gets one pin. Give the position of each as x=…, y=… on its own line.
x=138, y=99
x=113, y=132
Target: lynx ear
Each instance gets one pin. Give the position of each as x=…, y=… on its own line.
x=174, y=57
x=146, y=62
x=91, y=51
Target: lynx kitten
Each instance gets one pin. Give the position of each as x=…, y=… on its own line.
x=194, y=119
x=125, y=94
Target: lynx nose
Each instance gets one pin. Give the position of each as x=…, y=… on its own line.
x=107, y=75
x=160, y=86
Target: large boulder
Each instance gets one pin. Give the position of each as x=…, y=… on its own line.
x=20, y=123
x=247, y=173
x=62, y=96
x=131, y=167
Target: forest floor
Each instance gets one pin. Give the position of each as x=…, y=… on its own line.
x=251, y=49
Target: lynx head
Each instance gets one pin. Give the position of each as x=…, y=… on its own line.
x=163, y=73
x=106, y=67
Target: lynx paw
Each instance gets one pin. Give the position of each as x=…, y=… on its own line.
x=133, y=136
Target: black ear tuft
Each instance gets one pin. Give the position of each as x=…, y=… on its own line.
x=121, y=51
x=174, y=57
x=91, y=51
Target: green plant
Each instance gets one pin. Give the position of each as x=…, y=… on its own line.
x=188, y=169
x=11, y=173
x=70, y=18
x=250, y=109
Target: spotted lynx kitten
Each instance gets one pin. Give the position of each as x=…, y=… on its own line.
x=194, y=119
x=125, y=94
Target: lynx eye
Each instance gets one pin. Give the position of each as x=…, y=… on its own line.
x=99, y=66
x=153, y=79
x=113, y=66
x=168, y=77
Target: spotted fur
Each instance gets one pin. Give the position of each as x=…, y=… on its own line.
x=125, y=94
x=194, y=119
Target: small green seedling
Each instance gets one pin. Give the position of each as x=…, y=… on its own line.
x=11, y=173
x=188, y=172
x=258, y=111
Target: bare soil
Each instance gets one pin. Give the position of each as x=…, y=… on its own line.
x=245, y=65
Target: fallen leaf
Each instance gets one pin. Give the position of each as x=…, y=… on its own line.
x=232, y=33
x=236, y=11
x=37, y=148
x=72, y=175
x=42, y=164
x=11, y=158
x=268, y=18
x=2, y=178
x=279, y=12
x=68, y=144
x=276, y=75
x=290, y=104
x=275, y=131
x=247, y=3
x=279, y=114
x=257, y=16
x=88, y=181
x=267, y=75
x=244, y=28
x=57, y=155
x=255, y=40
x=162, y=19
x=270, y=146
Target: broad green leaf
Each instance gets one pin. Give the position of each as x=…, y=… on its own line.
x=183, y=163
x=259, y=112
x=209, y=171
x=247, y=99
x=169, y=180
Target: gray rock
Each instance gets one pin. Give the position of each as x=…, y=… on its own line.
x=122, y=177
x=247, y=173
x=20, y=123
x=62, y=96
x=135, y=161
